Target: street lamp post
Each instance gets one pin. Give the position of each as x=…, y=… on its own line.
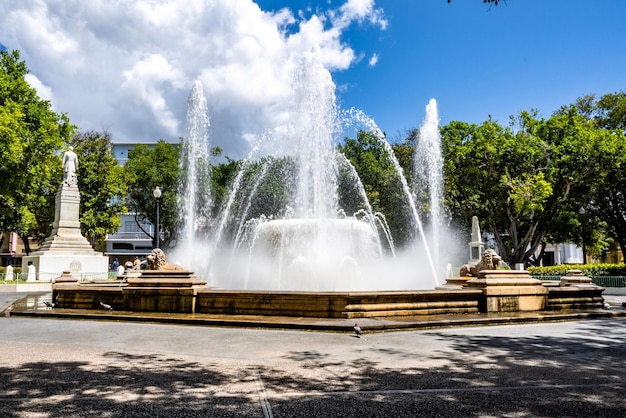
x=157, y=195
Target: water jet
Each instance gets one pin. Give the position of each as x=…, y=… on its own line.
x=306, y=256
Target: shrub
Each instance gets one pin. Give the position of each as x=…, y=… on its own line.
x=587, y=269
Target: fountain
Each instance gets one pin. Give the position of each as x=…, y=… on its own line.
x=283, y=246
x=307, y=242
x=428, y=166
x=194, y=191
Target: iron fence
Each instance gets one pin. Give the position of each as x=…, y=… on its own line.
x=48, y=277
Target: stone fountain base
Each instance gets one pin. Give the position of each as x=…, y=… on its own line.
x=150, y=291
x=182, y=292
x=517, y=291
x=510, y=291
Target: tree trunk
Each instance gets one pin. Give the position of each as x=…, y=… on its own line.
x=27, y=249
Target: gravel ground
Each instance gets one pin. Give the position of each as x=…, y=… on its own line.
x=67, y=368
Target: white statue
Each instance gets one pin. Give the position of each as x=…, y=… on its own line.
x=9, y=273
x=32, y=272
x=70, y=164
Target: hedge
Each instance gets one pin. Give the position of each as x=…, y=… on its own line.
x=587, y=269
x=15, y=270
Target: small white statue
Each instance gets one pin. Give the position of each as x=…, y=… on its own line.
x=9, y=273
x=70, y=165
x=32, y=272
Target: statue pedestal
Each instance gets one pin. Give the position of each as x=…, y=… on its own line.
x=163, y=291
x=66, y=248
x=455, y=283
x=509, y=291
x=575, y=291
x=576, y=278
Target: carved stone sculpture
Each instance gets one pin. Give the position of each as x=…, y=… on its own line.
x=489, y=261
x=156, y=261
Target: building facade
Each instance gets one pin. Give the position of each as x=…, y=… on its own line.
x=132, y=239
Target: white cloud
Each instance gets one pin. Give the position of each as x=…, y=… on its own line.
x=145, y=81
x=127, y=66
x=43, y=91
x=361, y=10
x=373, y=60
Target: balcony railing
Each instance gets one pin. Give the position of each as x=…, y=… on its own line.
x=128, y=235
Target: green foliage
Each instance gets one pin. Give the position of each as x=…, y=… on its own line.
x=102, y=185
x=16, y=274
x=31, y=139
x=381, y=182
x=587, y=269
x=606, y=177
x=222, y=176
x=262, y=188
x=146, y=169
x=609, y=112
x=527, y=186
x=270, y=187
x=490, y=172
x=527, y=193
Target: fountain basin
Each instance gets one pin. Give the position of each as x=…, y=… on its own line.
x=187, y=294
x=311, y=254
x=336, y=304
x=267, y=303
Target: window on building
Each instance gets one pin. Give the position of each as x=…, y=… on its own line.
x=548, y=258
x=123, y=246
x=131, y=226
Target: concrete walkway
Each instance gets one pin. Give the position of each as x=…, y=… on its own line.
x=79, y=368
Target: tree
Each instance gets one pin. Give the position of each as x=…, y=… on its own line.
x=527, y=186
x=608, y=112
x=146, y=169
x=381, y=183
x=607, y=202
x=101, y=183
x=31, y=139
x=222, y=175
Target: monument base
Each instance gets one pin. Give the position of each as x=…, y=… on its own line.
x=66, y=249
x=510, y=291
x=576, y=278
x=81, y=266
x=163, y=291
x=453, y=283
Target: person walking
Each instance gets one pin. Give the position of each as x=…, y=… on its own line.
x=115, y=264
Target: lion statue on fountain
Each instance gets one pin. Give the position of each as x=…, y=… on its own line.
x=489, y=261
x=156, y=261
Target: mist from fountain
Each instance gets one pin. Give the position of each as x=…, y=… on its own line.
x=194, y=189
x=282, y=227
x=428, y=169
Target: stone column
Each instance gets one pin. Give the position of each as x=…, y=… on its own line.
x=476, y=245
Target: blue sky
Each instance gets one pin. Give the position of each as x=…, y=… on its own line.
x=479, y=60
x=127, y=67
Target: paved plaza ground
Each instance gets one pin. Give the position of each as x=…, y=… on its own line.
x=78, y=368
